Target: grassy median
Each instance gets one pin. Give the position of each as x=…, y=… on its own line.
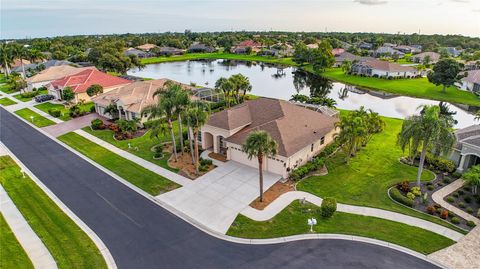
x=68, y=244
x=293, y=220
x=33, y=117
x=12, y=255
x=145, y=179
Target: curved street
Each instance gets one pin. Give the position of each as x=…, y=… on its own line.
x=141, y=234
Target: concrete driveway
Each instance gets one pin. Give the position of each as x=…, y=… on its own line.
x=216, y=198
x=71, y=125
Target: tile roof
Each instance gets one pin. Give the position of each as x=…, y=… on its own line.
x=472, y=77
x=79, y=82
x=249, y=43
x=291, y=126
x=469, y=135
x=56, y=72
x=388, y=66
x=146, y=47
x=434, y=57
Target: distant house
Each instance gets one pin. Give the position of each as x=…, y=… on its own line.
x=312, y=46
x=52, y=73
x=242, y=47
x=80, y=82
x=146, y=47
x=337, y=51
x=471, y=82
x=131, y=99
x=29, y=68
x=388, y=51
x=138, y=53
x=408, y=49
x=466, y=152
x=453, y=51
x=199, y=47
x=472, y=65
x=365, y=46
x=300, y=133
x=347, y=56
x=168, y=51
x=383, y=69
x=419, y=58
x=345, y=45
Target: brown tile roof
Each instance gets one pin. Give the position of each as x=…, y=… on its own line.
x=291, y=126
x=388, y=66
x=434, y=57
x=472, y=77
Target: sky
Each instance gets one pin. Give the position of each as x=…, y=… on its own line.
x=41, y=18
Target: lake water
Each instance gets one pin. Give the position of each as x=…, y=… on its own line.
x=282, y=83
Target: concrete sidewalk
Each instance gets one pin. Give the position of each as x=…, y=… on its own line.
x=28, y=239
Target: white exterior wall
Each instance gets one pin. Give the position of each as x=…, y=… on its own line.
x=382, y=73
x=37, y=85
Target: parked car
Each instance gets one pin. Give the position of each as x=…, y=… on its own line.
x=43, y=98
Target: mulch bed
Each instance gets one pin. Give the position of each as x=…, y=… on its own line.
x=465, y=200
x=184, y=164
x=218, y=157
x=273, y=193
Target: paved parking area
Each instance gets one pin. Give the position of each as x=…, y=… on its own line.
x=216, y=198
x=71, y=125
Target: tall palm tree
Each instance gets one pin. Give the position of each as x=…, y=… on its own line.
x=241, y=84
x=429, y=129
x=346, y=66
x=6, y=58
x=20, y=52
x=352, y=132
x=35, y=55
x=196, y=116
x=477, y=116
x=260, y=144
x=226, y=86
x=182, y=100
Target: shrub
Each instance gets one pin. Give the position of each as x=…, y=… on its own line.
x=469, y=210
x=450, y=199
x=461, y=192
x=439, y=210
x=92, y=109
x=451, y=214
x=467, y=199
x=158, y=155
x=404, y=186
x=467, y=188
x=431, y=209
x=429, y=184
x=54, y=113
x=444, y=214
x=411, y=196
x=456, y=175
x=203, y=168
x=455, y=220
x=416, y=191
x=206, y=162
x=461, y=205
x=328, y=207
x=446, y=180
x=397, y=196
x=430, y=187
x=478, y=213
x=437, y=206
x=455, y=194
x=425, y=198
x=471, y=224
x=114, y=127
x=97, y=124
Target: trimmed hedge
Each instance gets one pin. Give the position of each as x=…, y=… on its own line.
x=397, y=196
x=328, y=207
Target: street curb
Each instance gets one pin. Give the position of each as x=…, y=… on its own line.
x=208, y=230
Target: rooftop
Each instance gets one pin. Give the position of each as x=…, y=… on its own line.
x=56, y=72
x=79, y=82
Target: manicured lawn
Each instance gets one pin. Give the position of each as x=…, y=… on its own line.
x=7, y=101
x=65, y=111
x=26, y=99
x=419, y=87
x=366, y=179
x=293, y=220
x=137, y=175
x=3, y=79
x=140, y=146
x=218, y=55
x=6, y=88
x=38, y=120
x=68, y=244
x=12, y=255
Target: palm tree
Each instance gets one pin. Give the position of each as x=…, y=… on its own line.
x=241, y=84
x=34, y=55
x=260, y=144
x=352, y=132
x=472, y=177
x=196, y=116
x=346, y=66
x=477, y=116
x=21, y=53
x=226, y=86
x=375, y=125
x=6, y=58
x=429, y=129
x=182, y=100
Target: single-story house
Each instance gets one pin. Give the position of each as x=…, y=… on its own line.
x=199, y=47
x=466, y=152
x=241, y=47
x=80, y=82
x=453, y=51
x=347, y=56
x=418, y=58
x=383, y=69
x=471, y=82
x=138, y=53
x=312, y=46
x=167, y=51
x=146, y=47
x=408, y=49
x=52, y=73
x=365, y=46
x=472, y=65
x=42, y=65
x=15, y=64
x=388, y=51
x=337, y=51
x=300, y=133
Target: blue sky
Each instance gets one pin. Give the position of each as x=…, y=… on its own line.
x=39, y=18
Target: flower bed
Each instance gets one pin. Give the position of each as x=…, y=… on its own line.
x=464, y=199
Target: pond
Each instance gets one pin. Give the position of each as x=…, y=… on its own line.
x=283, y=82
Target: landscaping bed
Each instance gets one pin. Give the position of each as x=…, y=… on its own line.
x=275, y=191
x=185, y=166
x=464, y=199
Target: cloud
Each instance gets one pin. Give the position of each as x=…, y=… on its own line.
x=371, y=2
x=476, y=10
x=460, y=1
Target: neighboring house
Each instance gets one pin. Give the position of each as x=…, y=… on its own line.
x=466, y=152
x=365, y=46
x=471, y=82
x=472, y=65
x=337, y=51
x=408, y=49
x=198, y=47
x=388, y=51
x=146, y=47
x=300, y=133
x=383, y=69
x=312, y=46
x=453, y=51
x=52, y=73
x=43, y=65
x=347, y=56
x=80, y=82
x=418, y=58
x=241, y=47
x=138, y=53
x=167, y=51
x=130, y=99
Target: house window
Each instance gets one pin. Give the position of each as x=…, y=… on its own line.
x=322, y=140
x=311, y=148
x=134, y=116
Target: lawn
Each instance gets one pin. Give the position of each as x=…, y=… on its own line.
x=12, y=255
x=145, y=179
x=293, y=220
x=38, y=120
x=366, y=179
x=26, y=99
x=6, y=88
x=140, y=146
x=7, y=101
x=419, y=87
x=65, y=116
x=68, y=244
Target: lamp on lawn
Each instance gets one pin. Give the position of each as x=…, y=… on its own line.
x=31, y=118
x=311, y=222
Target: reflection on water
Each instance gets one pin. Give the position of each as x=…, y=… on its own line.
x=282, y=82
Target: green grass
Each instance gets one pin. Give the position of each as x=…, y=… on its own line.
x=7, y=101
x=143, y=143
x=26, y=99
x=12, y=255
x=68, y=244
x=419, y=87
x=145, y=179
x=218, y=55
x=3, y=79
x=65, y=116
x=366, y=179
x=38, y=120
x=293, y=220
x=6, y=88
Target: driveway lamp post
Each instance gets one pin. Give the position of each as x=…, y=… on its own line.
x=31, y=118
x=23, y=173
x=312, y=222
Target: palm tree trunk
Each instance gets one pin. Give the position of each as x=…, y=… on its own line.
x=422, y=161
x=260, y=173
x=191, y=141
x=23, y=68
x=7, y=69
x=180, y=132
x=172, y=135
x=195, y=134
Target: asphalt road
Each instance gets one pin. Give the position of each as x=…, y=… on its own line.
x=141, y=234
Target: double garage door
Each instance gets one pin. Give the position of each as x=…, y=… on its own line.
x=270, y=165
